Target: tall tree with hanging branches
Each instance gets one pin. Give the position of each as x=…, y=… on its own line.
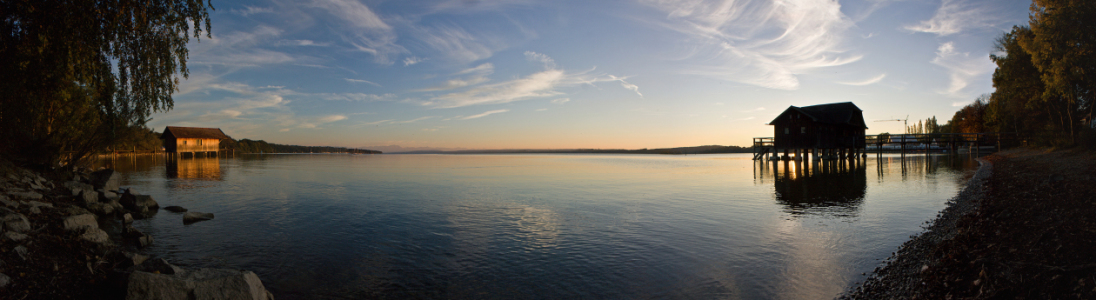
x=75, y=71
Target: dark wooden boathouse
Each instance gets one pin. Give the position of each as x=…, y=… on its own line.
x=193, y=140
x=827, y=131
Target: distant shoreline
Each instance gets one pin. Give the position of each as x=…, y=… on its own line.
x=710, y=149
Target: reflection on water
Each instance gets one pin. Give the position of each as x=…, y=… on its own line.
x=194, y=168
x=831, y=187
x=542, y=226
x=837, y=188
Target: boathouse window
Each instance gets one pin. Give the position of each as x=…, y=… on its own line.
x=786, y=130
x=802, y=129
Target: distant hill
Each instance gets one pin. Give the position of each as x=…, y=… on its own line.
x=710, y=149
x=261, y=146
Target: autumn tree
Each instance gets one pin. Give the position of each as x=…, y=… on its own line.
x=1063, y=49
x=1017, y=104
x=969, y=119
x=74, y=72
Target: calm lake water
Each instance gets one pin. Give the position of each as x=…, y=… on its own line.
x=542, y=226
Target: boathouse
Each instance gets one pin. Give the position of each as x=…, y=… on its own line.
x=834, y=130
x=193, y=140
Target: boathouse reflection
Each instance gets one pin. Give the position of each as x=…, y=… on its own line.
x=835, y=187
x=194, y=168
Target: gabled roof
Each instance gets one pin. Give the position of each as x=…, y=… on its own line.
x=834, y=113
x=194, y=133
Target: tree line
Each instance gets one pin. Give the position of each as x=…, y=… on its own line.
x=1045, y=78
x=261, y=146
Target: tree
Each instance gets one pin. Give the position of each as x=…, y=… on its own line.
x=1016, y=105
x=969, y=119
x=74, y=72
x=1063, y=48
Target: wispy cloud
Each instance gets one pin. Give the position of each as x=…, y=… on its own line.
x=561, y=100
x=954, y=16
x=759, y=42
x=358, y=97
x=370, y=33
x=407, y=61
x=754, y=110
x=456, y=83
x=412, y=120
x=251, y=10
x=962, y=68
x=484, y=114
x=455, y=43
x=485, y=69
x=868, y=81
x=301, y=43
x=537, y=85
x=548, y=62
x=361, y=81
x=331, y=118
x=240, y=49
x=626, y=85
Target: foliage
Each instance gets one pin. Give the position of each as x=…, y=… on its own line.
x=261, y=146
x=1046, y=73
x=1063, y=48
x=137, y=137
x=969, y=119
x=248, y=146
x=75, y=73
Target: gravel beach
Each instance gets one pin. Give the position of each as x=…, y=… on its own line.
x=1022, y=228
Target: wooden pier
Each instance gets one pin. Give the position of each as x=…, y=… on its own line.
x=764, y=148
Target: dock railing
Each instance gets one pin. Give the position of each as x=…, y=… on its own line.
x=927, y=142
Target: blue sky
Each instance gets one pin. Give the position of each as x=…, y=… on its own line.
x=577, y=74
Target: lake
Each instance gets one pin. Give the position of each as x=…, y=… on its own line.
x=542, y=226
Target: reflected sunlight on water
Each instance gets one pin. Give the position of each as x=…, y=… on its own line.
x=543, y=226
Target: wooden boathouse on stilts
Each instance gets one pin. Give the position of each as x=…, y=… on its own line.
x=824, y=131
x=195, y=141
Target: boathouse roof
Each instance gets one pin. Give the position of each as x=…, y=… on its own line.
x=193, y=133
x=844, y=113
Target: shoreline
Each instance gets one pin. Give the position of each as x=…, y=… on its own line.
x=66, y=234
x=1022, y=227
x=899, y=274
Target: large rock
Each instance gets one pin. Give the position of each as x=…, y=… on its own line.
x=107, y=196
x=160, y=266
x=95, y=235
x=135, y=202
x=77, y=187
x=105, y=179
x=15, y=236
x=7, y=202
x=81, y=222
x=194, y=216
x=177, y=209
x=26, y=195
x=16, y=222
x=102, y=209
x=87, y=198
x=197, y=284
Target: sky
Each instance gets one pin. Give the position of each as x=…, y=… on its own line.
x=608, y=74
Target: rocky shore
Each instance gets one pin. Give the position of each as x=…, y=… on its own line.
x=1023, y=228
x=66, y=234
